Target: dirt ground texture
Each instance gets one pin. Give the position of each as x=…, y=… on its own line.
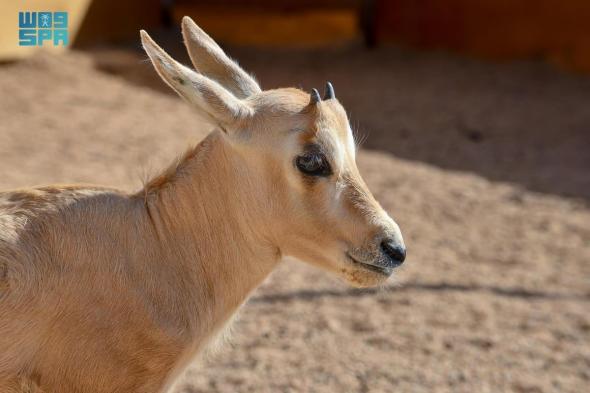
x=484, y=166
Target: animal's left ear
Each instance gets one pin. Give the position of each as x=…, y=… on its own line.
x=210, y=60
x=216, y=103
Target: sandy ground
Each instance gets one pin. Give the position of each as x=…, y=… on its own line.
x=485, y=168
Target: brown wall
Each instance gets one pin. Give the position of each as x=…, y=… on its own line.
x=109, y=21
x=558, y=30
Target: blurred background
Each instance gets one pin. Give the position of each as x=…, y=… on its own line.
x=475, y=122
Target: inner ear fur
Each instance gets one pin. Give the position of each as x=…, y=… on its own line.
x=210, y=60
x=215, y=102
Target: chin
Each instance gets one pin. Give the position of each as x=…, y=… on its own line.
x=361, y=278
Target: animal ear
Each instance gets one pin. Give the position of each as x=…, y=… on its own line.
x=210, y=60
x=218, y=105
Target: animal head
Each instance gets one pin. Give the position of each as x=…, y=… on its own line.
x=299, y=152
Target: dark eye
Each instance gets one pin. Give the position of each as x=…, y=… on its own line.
x=313, y=164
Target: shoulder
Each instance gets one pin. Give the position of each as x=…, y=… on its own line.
x=47, y=198
x=24, y=207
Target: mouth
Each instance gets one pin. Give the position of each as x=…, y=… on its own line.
x=383, y=270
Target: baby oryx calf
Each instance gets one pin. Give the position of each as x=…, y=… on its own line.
x=103, y=291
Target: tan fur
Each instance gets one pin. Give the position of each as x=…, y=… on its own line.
x=103, y=291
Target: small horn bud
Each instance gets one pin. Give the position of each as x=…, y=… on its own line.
x=315, y=97
x=329, y=92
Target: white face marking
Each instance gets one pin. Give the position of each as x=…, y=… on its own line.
x=350, y=142
x=339, y=154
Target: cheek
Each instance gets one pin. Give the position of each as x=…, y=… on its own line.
x=325, y=203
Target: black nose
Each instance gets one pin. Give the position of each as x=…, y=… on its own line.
x=395, y=253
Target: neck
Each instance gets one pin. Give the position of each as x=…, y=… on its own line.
x=211, y=236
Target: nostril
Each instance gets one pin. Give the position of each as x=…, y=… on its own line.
x=394, y=252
